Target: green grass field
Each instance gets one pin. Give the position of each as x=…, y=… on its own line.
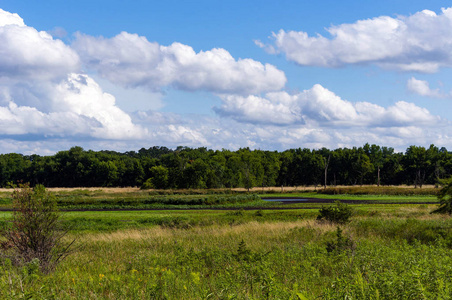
x=397, y=251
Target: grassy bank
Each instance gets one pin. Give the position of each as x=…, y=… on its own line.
x=387, y=251
x=390, y=258
x=132, y=198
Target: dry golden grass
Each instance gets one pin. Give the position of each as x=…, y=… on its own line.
x=103, y=189
x=255, y=189
x=216, y=232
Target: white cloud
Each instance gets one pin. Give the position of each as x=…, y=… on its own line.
x=82, y=95
x=28, y=53
x=202, y=131
x=47, y=106
x=7, y=18
x=40, y=95
x=421, y=42
x=131, y=60
x=258, y=110
x=320, y=106
x=422, y=87
x=76, y=106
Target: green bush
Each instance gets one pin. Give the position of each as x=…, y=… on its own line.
x=34, y=235
x=339, y=213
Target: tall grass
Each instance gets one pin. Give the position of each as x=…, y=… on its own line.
x=381, y=190
x=392, y=258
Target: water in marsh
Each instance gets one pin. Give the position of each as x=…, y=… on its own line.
x=285, y=199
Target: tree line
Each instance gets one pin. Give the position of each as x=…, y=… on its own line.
x=183, y=167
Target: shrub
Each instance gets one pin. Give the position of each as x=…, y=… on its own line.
x=445, y=198
x=339, y=213
x=34, y=234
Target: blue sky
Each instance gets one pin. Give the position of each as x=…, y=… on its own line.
x=270, y=75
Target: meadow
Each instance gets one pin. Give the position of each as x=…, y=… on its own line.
x=386, y=251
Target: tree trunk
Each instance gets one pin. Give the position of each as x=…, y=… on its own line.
x=378, y=176
x=326, y=169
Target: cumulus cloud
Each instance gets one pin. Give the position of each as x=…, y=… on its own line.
x=46, y=104
x=7, y=18
x=422, y=87
x=80, y=94
x=131, y=60
x=320, y=106
x=76, y=106
x=420, y=42
x=28, y=53
x=276, y=109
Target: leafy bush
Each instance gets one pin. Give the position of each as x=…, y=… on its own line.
x=445, y=197
x=339, y=213
x=34, y=235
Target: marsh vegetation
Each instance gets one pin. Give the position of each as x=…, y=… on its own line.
x=385, y=251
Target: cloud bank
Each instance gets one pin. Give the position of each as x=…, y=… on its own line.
x=131, y=60
x=322, y=107
x=421, y=42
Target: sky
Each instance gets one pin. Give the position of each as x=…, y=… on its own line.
x=270, y=75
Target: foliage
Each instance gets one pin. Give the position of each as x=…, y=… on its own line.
x=158, y=180
x=341, y=243
x=282, y=260
x=34, y=234
x=196, y=168
x=339, y=213
x=445, y=197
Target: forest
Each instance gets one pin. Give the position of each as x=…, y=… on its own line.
x=183, y=167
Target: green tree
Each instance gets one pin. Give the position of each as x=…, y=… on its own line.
x=216, y=170
x=416, y=162
x=159, y=179
x=271, y=165
x=285, y=171
x=361, y=165
x=194, y=174
x=375, y=154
